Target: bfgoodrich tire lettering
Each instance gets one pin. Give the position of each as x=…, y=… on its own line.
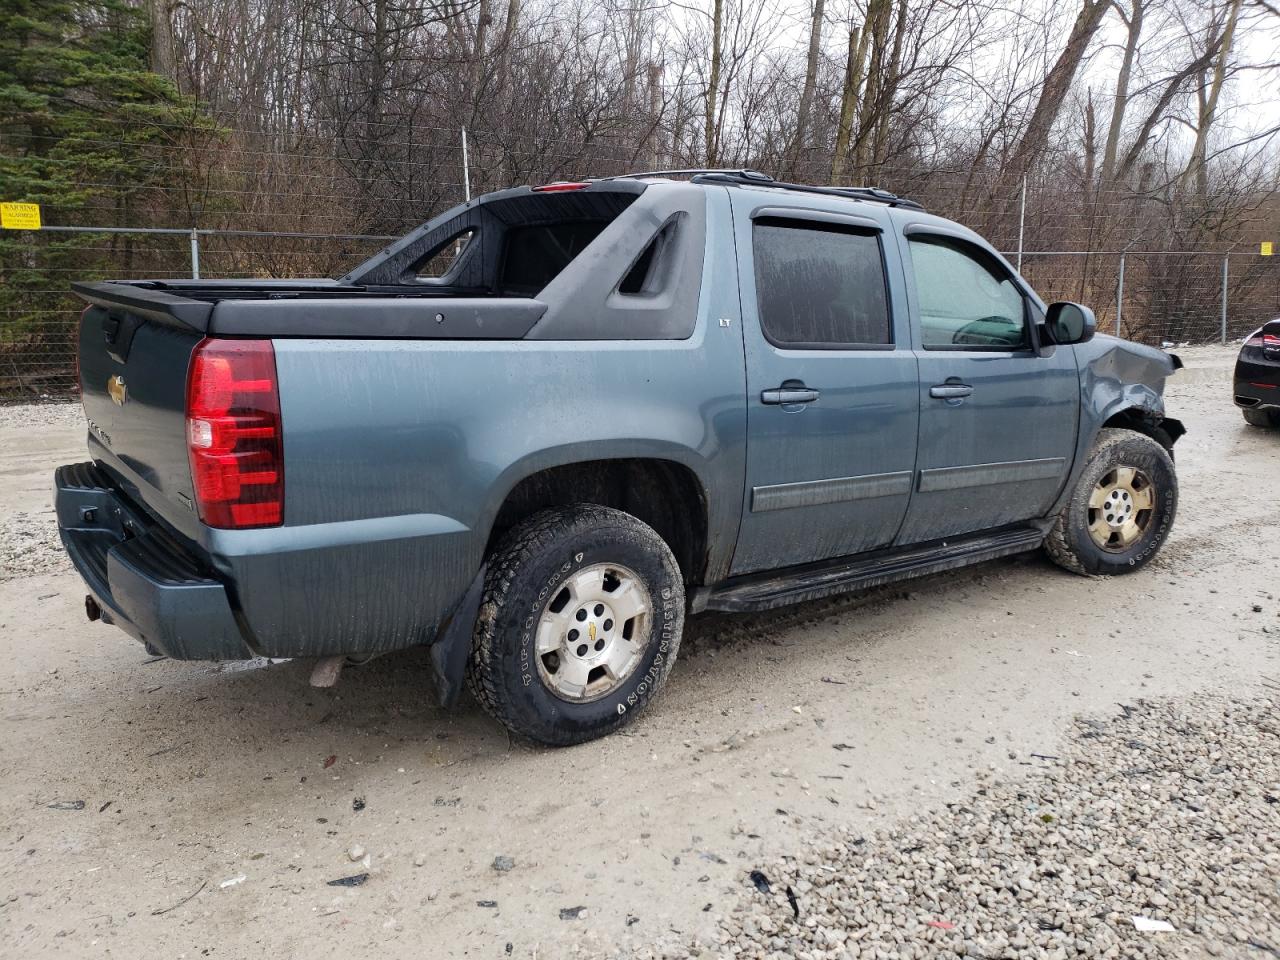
x=1070, y=544
x=527, y=569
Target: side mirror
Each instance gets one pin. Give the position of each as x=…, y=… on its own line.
x=1069, y=323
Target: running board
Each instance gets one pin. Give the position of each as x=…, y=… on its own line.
x=812, y=581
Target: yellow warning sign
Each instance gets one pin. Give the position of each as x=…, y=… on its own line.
x=1266, y=248
x=20, y=216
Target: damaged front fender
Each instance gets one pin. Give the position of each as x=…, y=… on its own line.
x=1121, y=384
x=1117, y=375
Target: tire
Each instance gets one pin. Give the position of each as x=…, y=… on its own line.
x=1260, y=418
x=542, y=576
x=1073, y=546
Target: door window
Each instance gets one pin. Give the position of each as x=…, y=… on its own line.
x=968, y=301
x=820, y=285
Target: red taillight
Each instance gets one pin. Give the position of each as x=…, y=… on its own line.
x=233, y=434
x=560, y=187
x=1267, y=341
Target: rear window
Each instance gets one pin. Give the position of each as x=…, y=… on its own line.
x=534, y=256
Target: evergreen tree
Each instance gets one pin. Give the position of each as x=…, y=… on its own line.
x=88, y=132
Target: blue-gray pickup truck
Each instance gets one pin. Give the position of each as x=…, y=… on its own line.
x=538, y=431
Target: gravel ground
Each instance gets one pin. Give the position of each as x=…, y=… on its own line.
x=34, y=416
x=29, y=538
x=29, y=544
x=1166, y=810
x=154, y=807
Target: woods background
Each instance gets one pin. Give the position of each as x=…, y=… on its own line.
x=1142, y=127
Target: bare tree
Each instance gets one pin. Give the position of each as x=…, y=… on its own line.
x=1053, y=93
x=810, y=80
x=1221, y=33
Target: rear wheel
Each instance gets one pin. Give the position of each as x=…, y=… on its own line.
x=579, y=624
x=1121, y=509
x=1260, y=418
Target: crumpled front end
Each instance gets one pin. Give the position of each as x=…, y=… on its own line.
x=1119, y=377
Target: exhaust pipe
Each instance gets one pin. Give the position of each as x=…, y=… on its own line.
x=92, y=609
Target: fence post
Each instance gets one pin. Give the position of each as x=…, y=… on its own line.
x=1225, y=259
x=466, y=166
x=195, y=254
x=1022, y=219
x=1120, y=295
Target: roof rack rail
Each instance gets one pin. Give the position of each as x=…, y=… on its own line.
x=751, y=176
x=744, y=176
x=755, y=178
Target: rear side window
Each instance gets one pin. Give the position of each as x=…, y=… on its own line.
x=534, y=256
x=439, y=263
x=820, y=285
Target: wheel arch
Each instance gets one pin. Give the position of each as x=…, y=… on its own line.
x=1164, y=430
x=664, y=493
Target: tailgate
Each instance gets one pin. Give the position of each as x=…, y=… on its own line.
x=135, y=346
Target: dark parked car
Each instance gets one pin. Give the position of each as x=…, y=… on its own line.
x=625, y=400
x=1257, y=380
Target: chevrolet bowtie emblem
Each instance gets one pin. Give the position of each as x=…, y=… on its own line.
x=591, y=631
x=118, y=391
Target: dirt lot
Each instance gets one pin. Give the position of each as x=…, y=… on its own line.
x=176, y=809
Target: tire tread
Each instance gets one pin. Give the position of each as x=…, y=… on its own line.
x=1260, y=418
x=1057, y=545
x=521, y=545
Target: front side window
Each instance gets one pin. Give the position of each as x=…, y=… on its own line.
x=820, y=285
x=967, y=299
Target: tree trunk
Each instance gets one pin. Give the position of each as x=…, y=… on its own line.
x=713, y=82
x=504, y=57
x=478, y=50
x=810, y=82
x=1171, y=89
x=878, y=24
x=880, y=148
x=1090, y=141
x=655, y=116
x=1121, y=102
x=379, y=66
x=1056, y=86
x=849, y=101
x=163, y=58
x=1207, y=101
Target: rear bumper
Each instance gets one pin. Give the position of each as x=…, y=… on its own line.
x=146, y=582
x=1256, y=393
x=1257, y=379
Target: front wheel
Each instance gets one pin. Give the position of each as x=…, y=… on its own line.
x=1260, y=418
x=1121, y=509
x=579, y=625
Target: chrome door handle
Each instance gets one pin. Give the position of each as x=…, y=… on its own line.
x=950, y=391
x=784, y=395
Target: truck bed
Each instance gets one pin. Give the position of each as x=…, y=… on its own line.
x=313, y=308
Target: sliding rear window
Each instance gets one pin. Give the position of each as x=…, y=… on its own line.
x=534, y=256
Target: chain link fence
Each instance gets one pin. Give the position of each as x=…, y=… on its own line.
x=39, y=313
x=1163, y=298
x=1151, y=297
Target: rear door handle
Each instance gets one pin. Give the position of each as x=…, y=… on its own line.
x=950, y=391
x=784, y=395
